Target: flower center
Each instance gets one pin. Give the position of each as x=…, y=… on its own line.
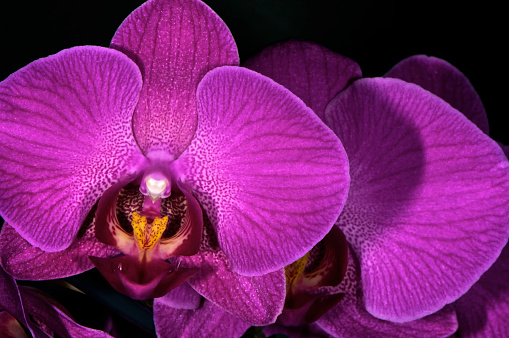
x=323, y=266
x=148, y=224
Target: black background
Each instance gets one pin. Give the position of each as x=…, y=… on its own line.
x=376, y=34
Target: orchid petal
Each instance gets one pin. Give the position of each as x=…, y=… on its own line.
x=350, y=319
x=310, y=71
x=256, y=300
x=65, y=124
x=10, y=300
x=39, y=307
x=427, y=207
x=446, y=81
x=184, y=297
x=174, y=43
x=270, y=175
x=24, y=261
x=209, y=320
x=484, y=309
x=505, y=149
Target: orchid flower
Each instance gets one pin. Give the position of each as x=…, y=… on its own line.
x=41, y=315
x=426, y=214
x=167, y=164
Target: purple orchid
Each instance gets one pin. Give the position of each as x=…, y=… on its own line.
x=426, y=213
x=47, y=317
x=168, y=165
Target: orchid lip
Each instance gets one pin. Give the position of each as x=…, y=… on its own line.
x=148, y=231
x=142, y=280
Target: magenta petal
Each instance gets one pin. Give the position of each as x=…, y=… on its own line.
x=427, y=207
x=183, y=297
x=207, y=321
x=310, y=71
x=350, y=319
x=10, y=301
x=65, y=128
x=444, y=80
x=9, y=295
x=270, y=175
x=24, y=261
x=484, y=309
x=60, y=323
x=256, y=300
x=505, y=149
x=175, y=43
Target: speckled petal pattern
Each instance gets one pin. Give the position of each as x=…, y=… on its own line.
x=484, y=309
x=310, y=71
x=27, y=262
x=65, y=130
x=349, y=318
x=446, y=81
x=270, y=175
x=174, y=43
x=427, y=207
x=256, y=300
x=207, y=321
x=183, y=297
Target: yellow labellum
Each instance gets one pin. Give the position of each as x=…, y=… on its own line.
x=148, y=235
